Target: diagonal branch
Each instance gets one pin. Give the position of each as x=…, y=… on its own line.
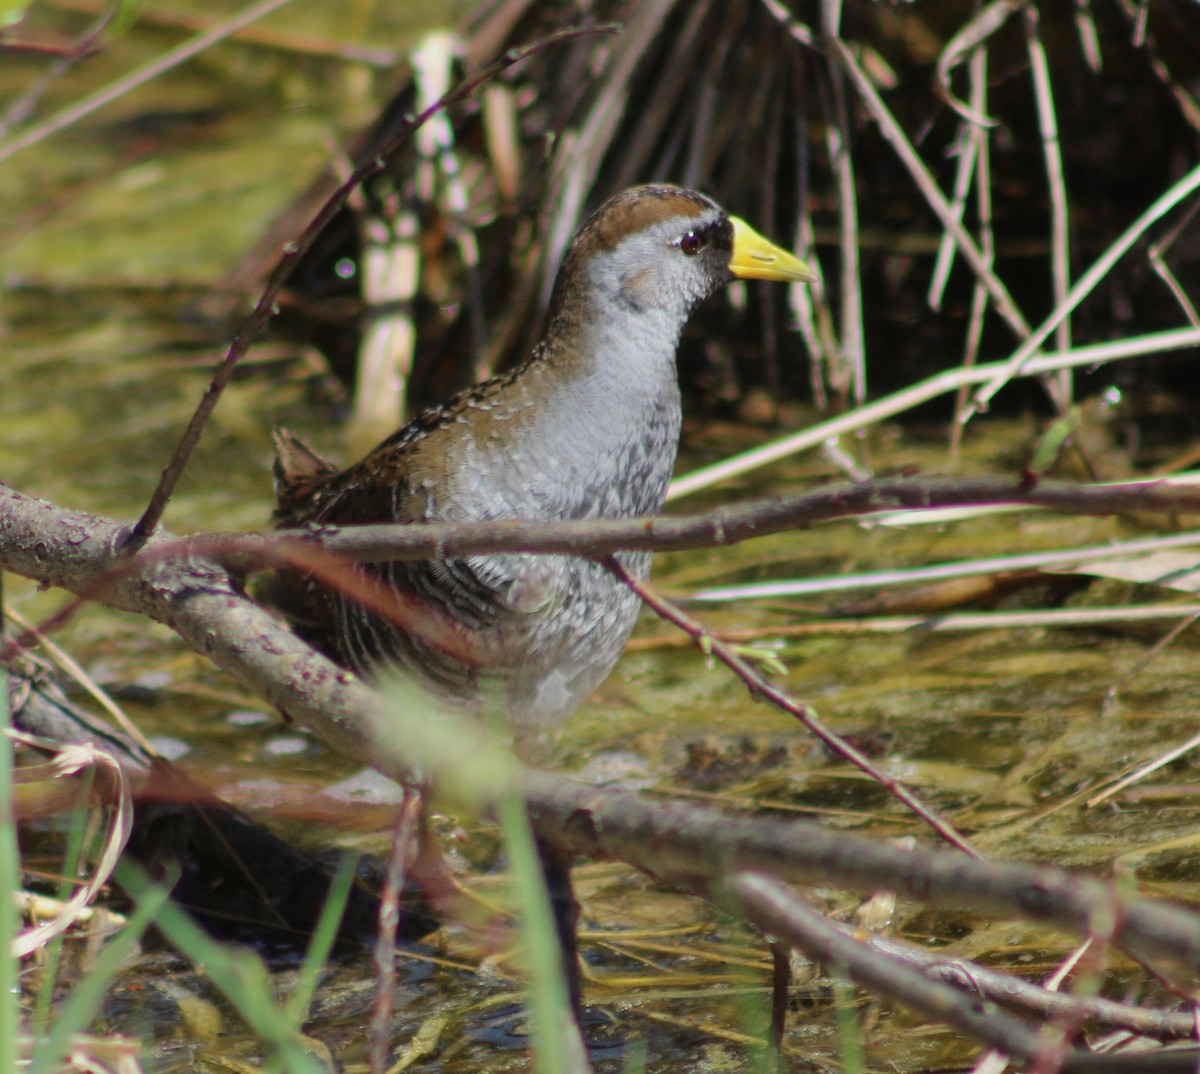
x=373, y=162
x=759, y=687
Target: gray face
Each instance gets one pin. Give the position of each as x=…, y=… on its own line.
x=669, y=266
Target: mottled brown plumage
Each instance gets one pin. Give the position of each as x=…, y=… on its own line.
x=586, y=427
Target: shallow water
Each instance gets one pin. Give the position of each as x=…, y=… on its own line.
x=117, y=229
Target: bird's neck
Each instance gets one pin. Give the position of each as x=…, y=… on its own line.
x=604, y=340
x=616, y=358
x=608, y=403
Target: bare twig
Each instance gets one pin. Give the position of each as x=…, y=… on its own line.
x=717, y=528
x=966, y=153
x=23, y=107
x=374, y=161
x=1147, y=658
x=172, y=58
x=1012, y=991
x=404, y=837
x=1156, y=255
x=677, y=842
x=781, y=914
x=1142, y=771
x=760, y=688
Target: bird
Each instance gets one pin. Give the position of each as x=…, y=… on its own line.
x=586, y=427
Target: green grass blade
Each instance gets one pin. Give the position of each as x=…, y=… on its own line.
x=849, y=1031
x=239, y=974
x=10, y=884
x=322, y=941
x=549, y=1010
x=81, y=1004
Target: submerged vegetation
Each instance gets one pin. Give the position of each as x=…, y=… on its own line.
x=972, y=681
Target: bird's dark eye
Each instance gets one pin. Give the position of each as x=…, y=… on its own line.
x=691, y=243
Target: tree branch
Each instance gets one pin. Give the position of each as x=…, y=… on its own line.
x=679, y=843
x=724, y=526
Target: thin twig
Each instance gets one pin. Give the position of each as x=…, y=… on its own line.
x=1012, y=991
x=772, y=907
x=392, y=542
x=1146, y=659
x=401, y=855
x=1142, y=771
x=967, y=154
x=719, y=528
x=760, y=688
x=970, y=38
x=1155, y=254
x=147, y=72
x=23, y=107
x=375, y=160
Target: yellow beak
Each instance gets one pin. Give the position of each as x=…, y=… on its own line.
x=754, y=258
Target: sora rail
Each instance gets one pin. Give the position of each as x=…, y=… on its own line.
x=586, y=427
